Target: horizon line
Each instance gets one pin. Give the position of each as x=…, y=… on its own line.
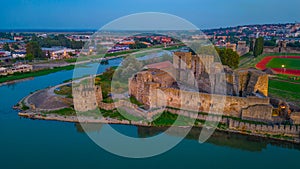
x=95, y=29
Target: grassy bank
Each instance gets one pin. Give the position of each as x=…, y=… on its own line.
x=62, y=112
x=83, y=58
x=120, y=53
x=18, y=76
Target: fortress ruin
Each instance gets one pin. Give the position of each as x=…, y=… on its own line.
x=86, y=96
x=243, y=92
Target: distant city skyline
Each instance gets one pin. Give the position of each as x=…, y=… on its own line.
x=205, y=14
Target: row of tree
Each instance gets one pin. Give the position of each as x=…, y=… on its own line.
x=296, y=44
x=229, y=57
x=257, y=46
x=13, y=47
x=33, y=47
x=59, y=40
x=137, y=45
x=33, y=50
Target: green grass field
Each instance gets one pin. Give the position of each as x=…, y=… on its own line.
x=289, y=63
x=285, y=90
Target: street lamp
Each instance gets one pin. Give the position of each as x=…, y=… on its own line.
x=283, y=66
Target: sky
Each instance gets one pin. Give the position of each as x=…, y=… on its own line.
x=93, y=14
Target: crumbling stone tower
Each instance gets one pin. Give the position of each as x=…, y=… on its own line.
x=87, y=97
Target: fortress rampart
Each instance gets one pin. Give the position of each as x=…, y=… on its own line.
x=253, y=108
x=291, y=130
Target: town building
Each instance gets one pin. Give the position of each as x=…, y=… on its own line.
x=58, y=52
x=19, y=55
x=16, y=68
x=3, y=71
x=5, y=55
x=18, y=38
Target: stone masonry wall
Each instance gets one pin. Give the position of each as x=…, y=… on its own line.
x=292, y=130
x=216, y=104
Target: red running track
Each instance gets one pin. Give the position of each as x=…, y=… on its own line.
x=263, y=65
x=287, y=71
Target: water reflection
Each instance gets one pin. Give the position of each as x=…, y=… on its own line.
x=222, y=138
x=219, y=138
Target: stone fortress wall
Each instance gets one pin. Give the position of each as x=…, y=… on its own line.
x=248, y=108
x=242, y=48
x=83, y=91
x=245, y=97
x=292, y=130
x=281, y=48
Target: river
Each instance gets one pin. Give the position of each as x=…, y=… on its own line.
x=26, y=143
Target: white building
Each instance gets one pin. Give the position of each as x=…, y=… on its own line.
x=19, y=55
x=20, y=68
x=62, y=54
x=3, y=71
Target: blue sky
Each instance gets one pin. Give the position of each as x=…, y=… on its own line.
x=93, y=14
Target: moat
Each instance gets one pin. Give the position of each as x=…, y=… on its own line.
x=58, y=143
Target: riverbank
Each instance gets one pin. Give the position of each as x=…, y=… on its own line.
x=70, y=64
x=19, y=76
x=93, y=120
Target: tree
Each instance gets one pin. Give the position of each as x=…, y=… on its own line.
x=259, y=46
x=6, y=47
x=229, y=57
x=251, y=49
x=15, y=46
x=271, y=42
x=296, y=44
x=129, y=67
x=29, y=57
x=137, y=45
x=34, y=49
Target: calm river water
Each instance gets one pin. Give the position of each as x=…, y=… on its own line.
x=33, y=144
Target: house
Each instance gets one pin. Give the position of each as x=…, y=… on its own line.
x=3, y=71
x=18, y=38
x=20, y=68
x=58, y=52
x=5, y=55
x=62, y=54
x=19, y=55
x=16, y=68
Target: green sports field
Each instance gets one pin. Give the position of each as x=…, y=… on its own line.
x=284, y=89
x=290, y=63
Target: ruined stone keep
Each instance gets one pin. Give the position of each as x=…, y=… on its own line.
x=245, y=94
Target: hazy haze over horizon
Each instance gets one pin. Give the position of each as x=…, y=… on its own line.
x=93, y=14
